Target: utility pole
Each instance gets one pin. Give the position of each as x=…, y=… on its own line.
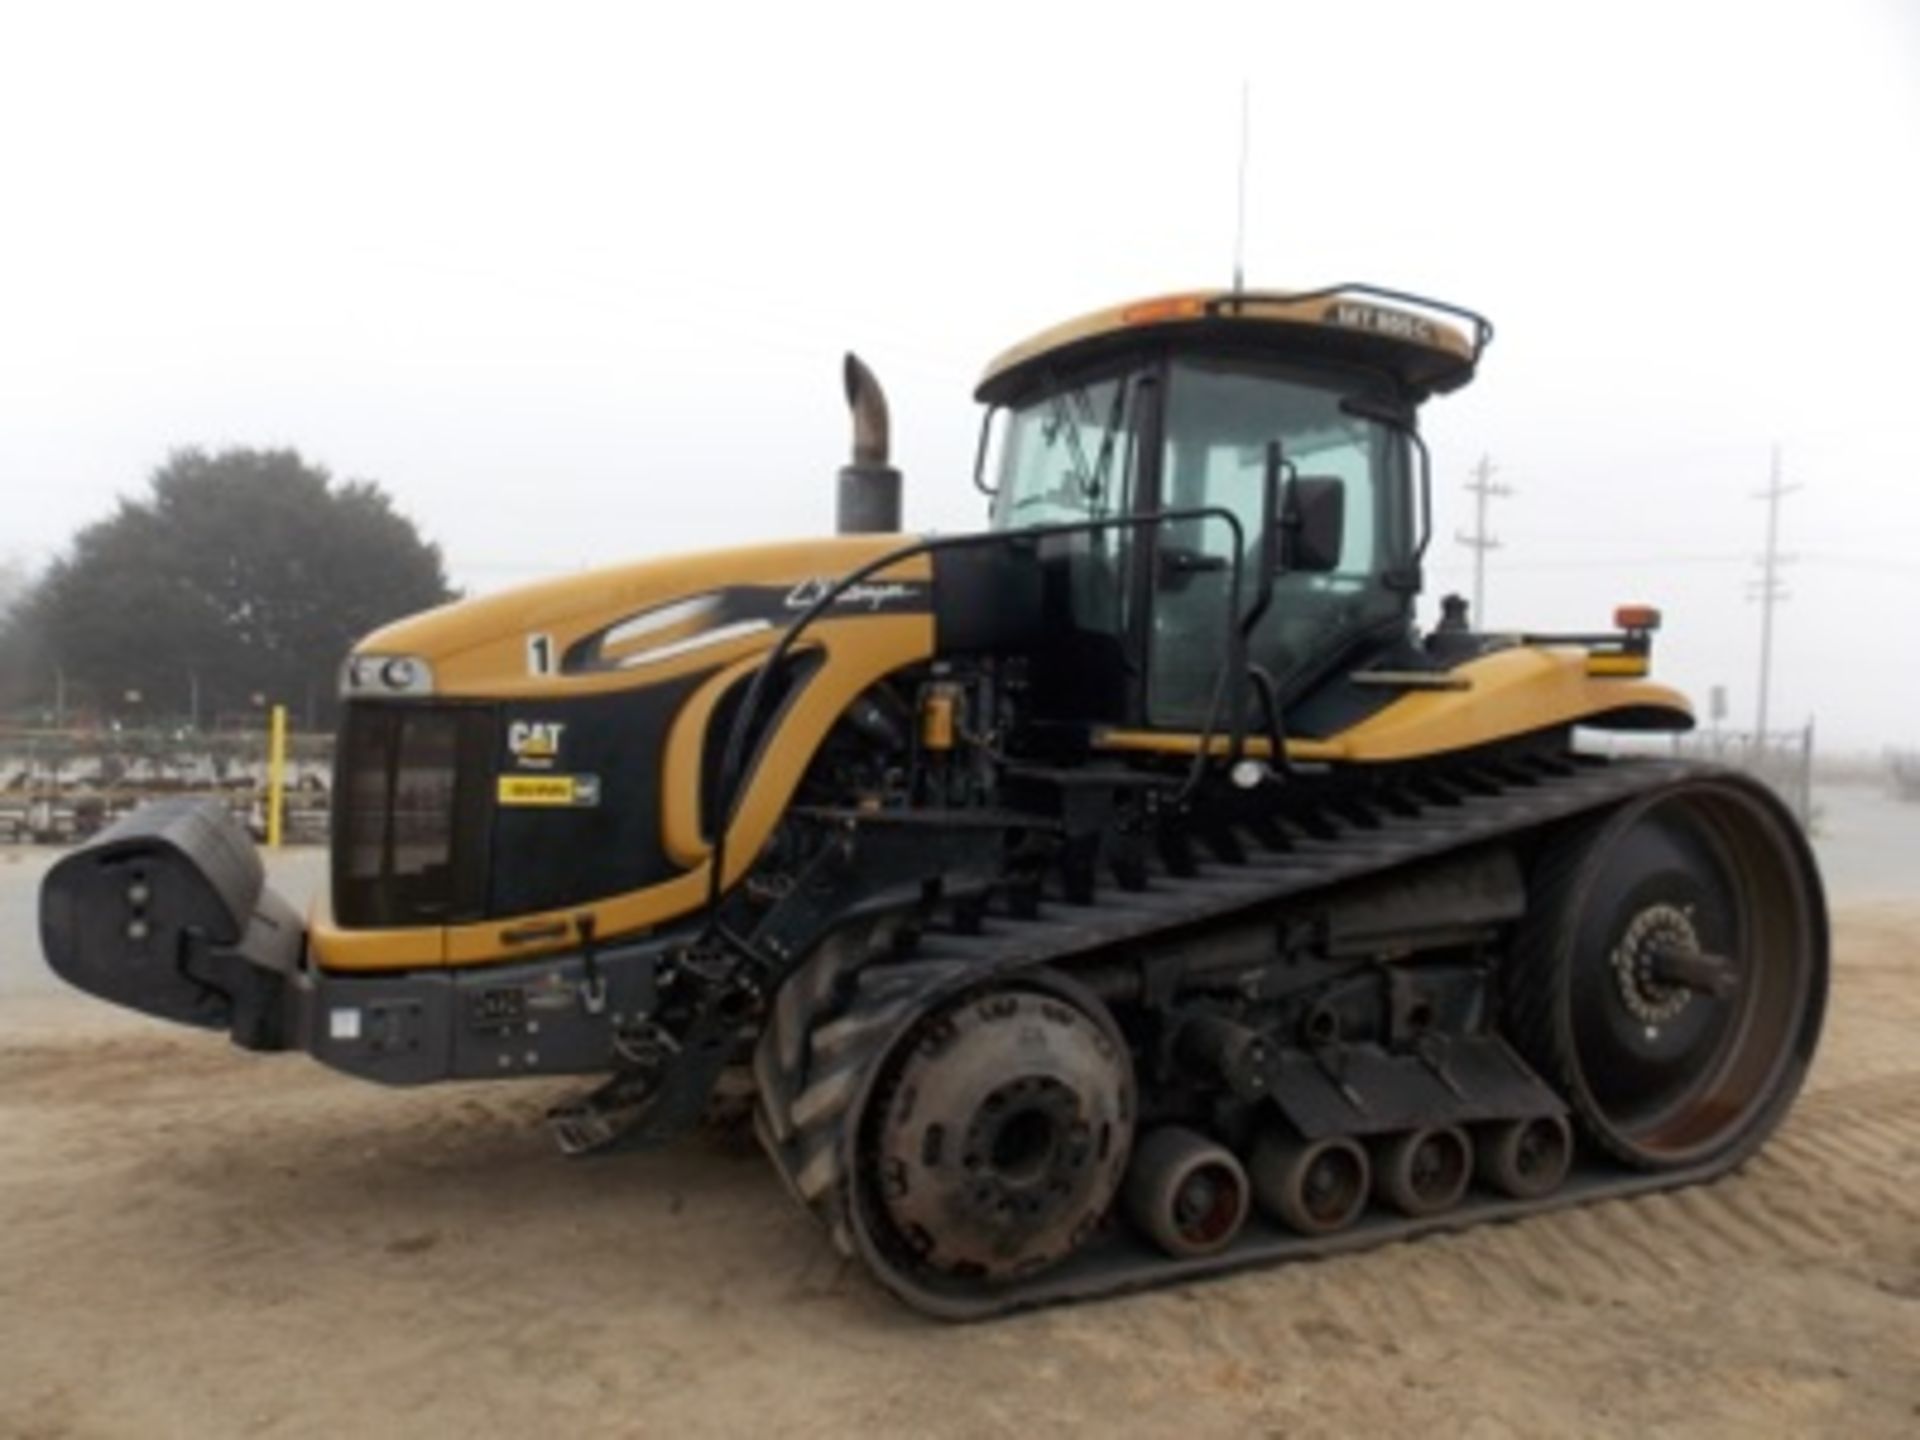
x=1480, y=542
x=1770, y=588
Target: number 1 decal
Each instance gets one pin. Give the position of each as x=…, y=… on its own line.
x=539, y=654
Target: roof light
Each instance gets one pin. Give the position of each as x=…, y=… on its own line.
x=1167, y=307
x=1636, y=617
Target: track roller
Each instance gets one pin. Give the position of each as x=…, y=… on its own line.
x=1525, y=1158
x=1315, y=1186
x=1423, y=1172
x=1189, y=1195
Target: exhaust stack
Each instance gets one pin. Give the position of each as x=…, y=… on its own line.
x=869, y=493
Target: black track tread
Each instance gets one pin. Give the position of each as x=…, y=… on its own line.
x=1537, y=991
x=840, y=1012
x=813, y=1053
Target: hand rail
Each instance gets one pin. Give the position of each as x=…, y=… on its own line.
x=1233, y=658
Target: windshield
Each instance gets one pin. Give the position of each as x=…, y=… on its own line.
x=1068, y=456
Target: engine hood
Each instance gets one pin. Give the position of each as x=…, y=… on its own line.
x=648, y=619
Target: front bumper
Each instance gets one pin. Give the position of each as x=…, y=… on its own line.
x=168, y=912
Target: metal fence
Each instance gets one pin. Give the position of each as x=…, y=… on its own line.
x=59, y=786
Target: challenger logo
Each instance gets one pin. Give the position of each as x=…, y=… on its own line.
x=870, y=597
x=535, y=744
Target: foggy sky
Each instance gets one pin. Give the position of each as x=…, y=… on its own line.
x=572, y=281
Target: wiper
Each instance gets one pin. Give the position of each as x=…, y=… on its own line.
x=1061, y=420
x=1090, y=481
x=1096, y=488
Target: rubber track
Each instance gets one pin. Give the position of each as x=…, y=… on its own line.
x=840, y=1013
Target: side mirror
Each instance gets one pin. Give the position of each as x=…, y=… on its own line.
x=1311, y=527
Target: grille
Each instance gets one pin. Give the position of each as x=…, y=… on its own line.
x=411, y=813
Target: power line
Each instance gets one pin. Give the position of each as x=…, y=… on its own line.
x=1769, y=589
x=1480, y=542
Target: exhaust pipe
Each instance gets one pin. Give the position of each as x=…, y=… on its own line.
x=869, y=493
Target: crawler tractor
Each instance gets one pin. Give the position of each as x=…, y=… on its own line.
x=1122, y=894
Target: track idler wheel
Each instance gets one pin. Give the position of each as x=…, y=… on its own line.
x=1189, y=1195
x=1423, y=1172
x=1314, y=1186
x=1002, y=1132
x=1525, y=1159
x=1671, y=974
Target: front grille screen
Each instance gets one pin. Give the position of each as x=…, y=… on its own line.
x=410, y=827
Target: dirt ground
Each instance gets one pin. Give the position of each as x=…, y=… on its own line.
x=197, y=1241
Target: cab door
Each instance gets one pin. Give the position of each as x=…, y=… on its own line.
x=1221, y=415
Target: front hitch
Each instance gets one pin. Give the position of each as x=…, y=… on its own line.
x=168, y=912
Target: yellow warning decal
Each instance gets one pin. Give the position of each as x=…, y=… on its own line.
x=549, y=790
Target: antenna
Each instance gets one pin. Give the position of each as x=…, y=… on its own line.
x=1240, y=223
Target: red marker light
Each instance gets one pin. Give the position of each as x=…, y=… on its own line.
x=1636, y=617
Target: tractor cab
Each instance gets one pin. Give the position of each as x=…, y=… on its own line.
x=1249, y=477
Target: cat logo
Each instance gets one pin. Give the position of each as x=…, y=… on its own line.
x=535, y=743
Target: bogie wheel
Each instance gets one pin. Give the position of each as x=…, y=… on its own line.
x=1525, y=1159
x=1671, y=975
x=997, y=1132
x=1315, y=1186
x=1188, y=1195
x=1423, y=1172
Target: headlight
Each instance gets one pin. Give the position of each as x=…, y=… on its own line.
x=364, y=675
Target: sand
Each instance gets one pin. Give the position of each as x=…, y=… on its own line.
x=198, y=1241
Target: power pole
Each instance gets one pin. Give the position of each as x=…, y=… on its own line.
x=1769, y=589
x=1480, y=542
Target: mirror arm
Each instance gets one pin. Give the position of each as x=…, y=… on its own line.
x=1400, y=419
x=1270, y=520
x=980, y=455
x=1426, y=494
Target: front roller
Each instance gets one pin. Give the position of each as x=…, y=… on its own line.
x=1671, y=976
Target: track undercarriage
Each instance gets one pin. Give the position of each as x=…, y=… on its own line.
x=1512, y=986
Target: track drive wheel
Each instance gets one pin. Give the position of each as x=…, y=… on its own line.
x=1423, y=1172
x=1671, y=975
x=1314, y=1186
x=997, y=1132
x=1188, y=1194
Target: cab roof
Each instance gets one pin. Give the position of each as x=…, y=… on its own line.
x=1429, y=346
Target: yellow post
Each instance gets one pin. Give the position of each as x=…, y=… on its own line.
x=276, y=772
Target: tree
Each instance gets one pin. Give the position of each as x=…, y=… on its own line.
x=18, y=648
x=240, y=574
x=15, y=581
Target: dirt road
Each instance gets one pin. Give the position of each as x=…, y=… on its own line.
x=195, y=1241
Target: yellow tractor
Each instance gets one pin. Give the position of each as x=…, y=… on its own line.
x=1124, y=893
